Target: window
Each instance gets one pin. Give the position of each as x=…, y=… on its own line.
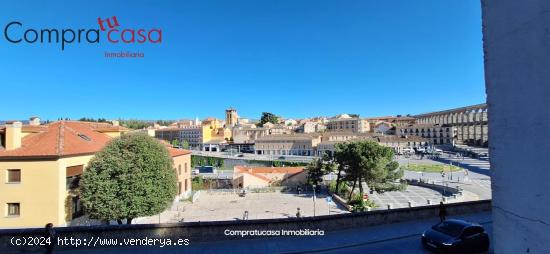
x=82, y=136
x=72, y=176
x=186, y=167
x=13, y=209
x=179, y=169
x=14, y=175
x=471, y=231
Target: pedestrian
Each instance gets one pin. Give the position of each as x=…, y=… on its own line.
x=51, y=237
x=298, y=214
x=442, y=211
x=245, y=215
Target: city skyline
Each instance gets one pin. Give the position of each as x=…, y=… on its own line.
x=294, y=59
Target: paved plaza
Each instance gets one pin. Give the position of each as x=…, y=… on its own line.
x=476, y=178
x=418, y=196
x=227, y=205
x=218, y=206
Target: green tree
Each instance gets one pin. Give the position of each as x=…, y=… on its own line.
x=315, y=171
x=368, y=162
x=185, y=144
x=268, y=118
x=132, y=176
x=175, y=143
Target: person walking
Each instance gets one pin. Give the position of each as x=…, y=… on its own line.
x=442, y=211
x=51, y=235
x=298, y=214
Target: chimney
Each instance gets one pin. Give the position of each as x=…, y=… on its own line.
x=13, y=135
x=34, y=121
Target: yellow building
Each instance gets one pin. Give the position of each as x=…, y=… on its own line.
x=40, y=166
x=210, y=133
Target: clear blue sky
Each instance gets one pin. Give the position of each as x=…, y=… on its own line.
x=292, y=58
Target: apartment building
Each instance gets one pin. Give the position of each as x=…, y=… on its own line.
x=436, y=134
x=208, y=136
x=347, y=123
x=398, y=143
x=311, y=127
x=40, y=167
x=287, y=144
x=247, y=135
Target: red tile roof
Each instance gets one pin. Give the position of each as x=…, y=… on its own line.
x=178, y=152
x=263, y=172
x=267, y=170
x=64, y=138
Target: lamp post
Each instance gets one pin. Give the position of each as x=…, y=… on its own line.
x=314, y=199
x=451, y=169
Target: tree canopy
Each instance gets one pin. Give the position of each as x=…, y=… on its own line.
x=367, y=162
x=268, y=118
x=132, y=176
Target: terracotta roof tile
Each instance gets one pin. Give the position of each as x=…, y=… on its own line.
x=264, y=170
x=65, y=138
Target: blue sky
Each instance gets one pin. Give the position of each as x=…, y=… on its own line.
x=292, y=58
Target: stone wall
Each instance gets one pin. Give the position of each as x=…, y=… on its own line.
x=214, y=231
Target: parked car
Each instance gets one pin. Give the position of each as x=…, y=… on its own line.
x=407, y=150
x=456, y=236
x=420, y=150
x=282, y=157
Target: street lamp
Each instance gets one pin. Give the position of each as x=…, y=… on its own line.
x=314, y=186
x=451, y=169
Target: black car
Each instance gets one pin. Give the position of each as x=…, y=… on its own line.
x=456, y=236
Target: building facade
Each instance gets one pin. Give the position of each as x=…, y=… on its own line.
x=346, y=123
x=436, y=134
x=208, y=136
x=287, y=144
x=40, y=168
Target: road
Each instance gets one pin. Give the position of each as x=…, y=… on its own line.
x=475, y=179
x=249, y=156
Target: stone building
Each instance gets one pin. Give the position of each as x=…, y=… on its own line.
x=436, y=134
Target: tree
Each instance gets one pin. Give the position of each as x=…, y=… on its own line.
x=268, y=118
x=175, y=143
x=367, y=162
x=315, y=171
x=184, y=144
x=132, y=176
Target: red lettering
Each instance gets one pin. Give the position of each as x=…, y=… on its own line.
x=159, y=39
x=109, y=35
x=125, y=31
x=141, y=34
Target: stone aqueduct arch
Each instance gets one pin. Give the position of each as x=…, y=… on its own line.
x=470, y=123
